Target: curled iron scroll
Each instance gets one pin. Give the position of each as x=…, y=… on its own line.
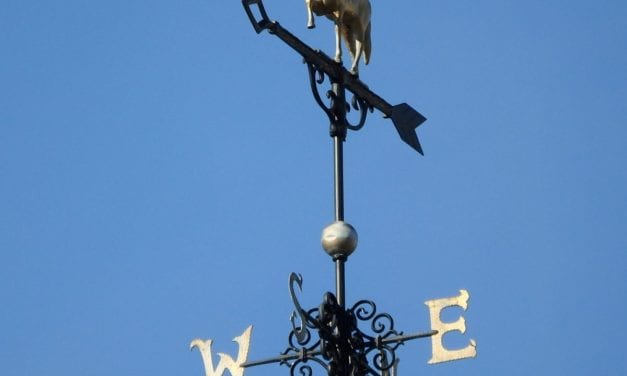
x=301, y=332
x=358, y=104
x=301, y=367
x=316, y=77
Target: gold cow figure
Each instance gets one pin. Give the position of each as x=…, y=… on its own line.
x=352, y=20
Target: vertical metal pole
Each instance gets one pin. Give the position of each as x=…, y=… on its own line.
x=339, y=281
x=339, y=134
x=339, y=215
x=338, y=153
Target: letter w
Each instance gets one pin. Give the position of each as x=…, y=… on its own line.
x=226, y=361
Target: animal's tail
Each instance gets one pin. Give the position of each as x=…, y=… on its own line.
x=367, y=45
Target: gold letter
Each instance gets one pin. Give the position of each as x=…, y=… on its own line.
x=226, y=362
x=441, y=354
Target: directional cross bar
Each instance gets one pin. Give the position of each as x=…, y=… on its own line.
x=404, y=117
x=285, y=357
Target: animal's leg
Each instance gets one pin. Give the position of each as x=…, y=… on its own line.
x=358, y=50
x=338, y=41
x=310, y=19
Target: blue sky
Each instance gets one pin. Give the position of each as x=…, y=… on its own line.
x=163, y=169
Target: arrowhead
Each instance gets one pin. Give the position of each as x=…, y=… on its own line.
x=406, y=120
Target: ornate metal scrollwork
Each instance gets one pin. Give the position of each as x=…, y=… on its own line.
x=301, y=332
x=337, y=115
x=316, y=77
x=381, y=353
x=302, y=367
x=359, y=104
x=341, y=348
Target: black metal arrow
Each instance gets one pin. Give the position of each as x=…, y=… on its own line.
x=404, y=117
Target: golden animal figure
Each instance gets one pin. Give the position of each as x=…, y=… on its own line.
x=352, y=21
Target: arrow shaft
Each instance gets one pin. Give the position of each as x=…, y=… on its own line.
x=335, y=71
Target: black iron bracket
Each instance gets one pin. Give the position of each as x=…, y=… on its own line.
x=339, y=346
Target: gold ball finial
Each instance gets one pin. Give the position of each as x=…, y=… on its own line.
x=339, y=239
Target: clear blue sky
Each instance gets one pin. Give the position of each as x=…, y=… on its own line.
x=163, y=169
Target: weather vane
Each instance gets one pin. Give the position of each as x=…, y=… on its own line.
x=330, y=337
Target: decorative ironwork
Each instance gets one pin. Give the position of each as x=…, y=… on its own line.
x=336, y=114
x=341, y=347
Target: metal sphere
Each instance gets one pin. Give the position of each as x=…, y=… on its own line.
x=339, y=239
